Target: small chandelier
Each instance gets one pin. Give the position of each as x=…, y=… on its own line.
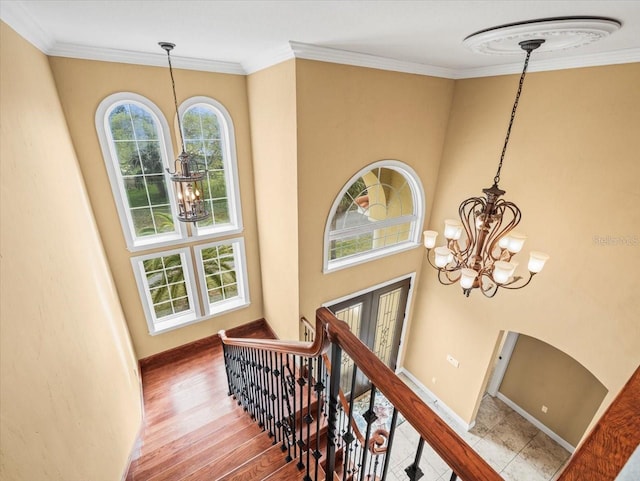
x=188, y=173
x=485, y=261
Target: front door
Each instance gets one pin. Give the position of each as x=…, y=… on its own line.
x=376, y=318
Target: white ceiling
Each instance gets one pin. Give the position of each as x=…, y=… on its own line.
x=421, y=36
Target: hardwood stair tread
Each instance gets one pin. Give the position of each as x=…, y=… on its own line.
x=215, y=468
x=259, y=466
x=167, y=455
x=245, y=442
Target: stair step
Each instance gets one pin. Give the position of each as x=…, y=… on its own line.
x=218, y=466
x=200, y=458
x=259, y=466
x=156, y=459
x=288, y=472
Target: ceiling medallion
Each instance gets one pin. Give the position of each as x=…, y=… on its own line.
x=558, y=33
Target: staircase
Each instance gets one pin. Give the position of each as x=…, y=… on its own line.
x=194, y=430
x=253, y=409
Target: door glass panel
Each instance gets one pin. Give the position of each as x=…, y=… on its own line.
x=386, y=325
x=352, y=315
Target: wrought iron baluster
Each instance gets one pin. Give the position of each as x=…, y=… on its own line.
x=290, y=396
x=334, y=393
x=392, y=432
x=369, y=416
x=308, y=418
x=301, y=382
x=413, y=471
x=272, y=398
x=348, y=436
x=453, y=477
x=319, y=390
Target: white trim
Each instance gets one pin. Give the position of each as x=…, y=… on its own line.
x=366, y=290
x=438, y=404
x=347, y=57
x=268, y=59
x=230, y=162
x=401, y=350
x=630, y=55
x=157, y=326
x=62, y=49
x=135, y=243
x=504, y=356
x=536, y=422
x=419, y=207
x=17, y=16
x=242, y=281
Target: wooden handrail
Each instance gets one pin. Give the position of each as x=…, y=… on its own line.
x=319, y=345
x=464, y=461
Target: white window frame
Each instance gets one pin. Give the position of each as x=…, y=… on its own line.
x=239, y=256
x=230, y=162
x=417, y=220
x=157, y=326
x=103, y=128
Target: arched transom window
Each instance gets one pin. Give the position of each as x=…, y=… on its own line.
x=378, y=212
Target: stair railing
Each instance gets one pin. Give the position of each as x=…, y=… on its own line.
x=283, y=385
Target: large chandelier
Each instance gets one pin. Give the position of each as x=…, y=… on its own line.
x=485, y=260
x=188, y=173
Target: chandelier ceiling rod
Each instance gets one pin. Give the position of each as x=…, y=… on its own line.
x=168, y=47
x=188, y=173
x=529, y=46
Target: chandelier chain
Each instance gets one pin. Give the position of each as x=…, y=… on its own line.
x=496, y=179
x=175, y=98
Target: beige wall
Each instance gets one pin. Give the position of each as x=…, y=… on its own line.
x=272, y=99
x=82, y=85
x=349, y=117
x=539, y=374
x=572, y=167
x=70, y=397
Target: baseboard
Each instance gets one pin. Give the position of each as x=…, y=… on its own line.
x=250, y=329
x=437, y=401
x=535, y=422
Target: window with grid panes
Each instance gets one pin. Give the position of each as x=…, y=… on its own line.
x=134, y=137
x=134, y=141
x=221, y=266
x=377, y=213
x=166, y=280
x=208, y=135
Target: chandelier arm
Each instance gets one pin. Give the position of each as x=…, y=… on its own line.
x=489, y=291
x=446, y=273
x=499, y=231
x=513, y=288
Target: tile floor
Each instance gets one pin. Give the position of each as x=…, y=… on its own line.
x=509, y=443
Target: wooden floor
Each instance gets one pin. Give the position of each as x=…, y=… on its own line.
x=190, y=423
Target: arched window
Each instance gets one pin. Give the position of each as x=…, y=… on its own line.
x=377, y=213
x=134, y=139
x=208, y=135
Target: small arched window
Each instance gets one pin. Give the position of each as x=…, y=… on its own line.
x=208, y=135
x=134, y=138
x=377, y=213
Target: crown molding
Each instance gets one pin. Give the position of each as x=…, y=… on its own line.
x=630, y=55
x=18, y=17
x=346, y=57
x=268, y=59
x=142, y=58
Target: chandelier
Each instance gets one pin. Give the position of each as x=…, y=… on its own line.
x=188, y=173
x=485, y=259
